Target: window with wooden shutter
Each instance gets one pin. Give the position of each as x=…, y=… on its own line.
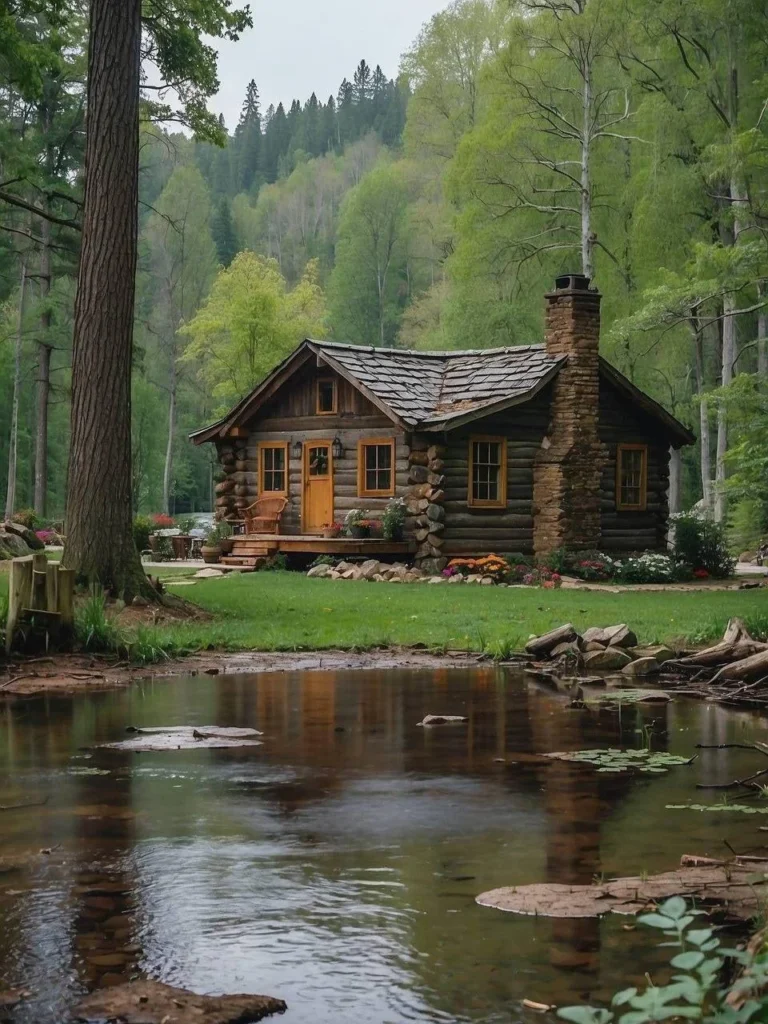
x=631, y=477
x=487, y=472
x=327, y=396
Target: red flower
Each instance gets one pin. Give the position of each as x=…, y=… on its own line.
x=701, y=574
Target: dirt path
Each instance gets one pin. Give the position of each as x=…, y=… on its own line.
x=76, y=673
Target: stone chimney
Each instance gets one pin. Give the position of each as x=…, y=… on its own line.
x=569, y=465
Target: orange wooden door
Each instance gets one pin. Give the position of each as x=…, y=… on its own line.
x=317, y=509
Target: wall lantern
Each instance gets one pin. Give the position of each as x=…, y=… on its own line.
x=338, y=448
x=296, y=450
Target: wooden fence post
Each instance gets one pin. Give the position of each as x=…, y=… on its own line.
x=19, y=595
x=66, y=600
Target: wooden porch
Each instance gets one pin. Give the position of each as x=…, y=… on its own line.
x=249, y=549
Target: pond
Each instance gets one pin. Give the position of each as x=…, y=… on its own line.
x=336, y=866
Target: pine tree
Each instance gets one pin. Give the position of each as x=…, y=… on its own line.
x=223, y=232
x=248, y=140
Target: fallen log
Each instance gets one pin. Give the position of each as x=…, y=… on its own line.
x=724, y=653
x=752, y=667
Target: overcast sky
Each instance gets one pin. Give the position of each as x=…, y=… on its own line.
x=297, y=47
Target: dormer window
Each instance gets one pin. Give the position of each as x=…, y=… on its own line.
x=327, y=396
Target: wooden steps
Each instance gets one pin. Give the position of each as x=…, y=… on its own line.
x=242, y=561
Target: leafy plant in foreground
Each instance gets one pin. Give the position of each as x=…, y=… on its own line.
x=94, y=629
x=695, y=992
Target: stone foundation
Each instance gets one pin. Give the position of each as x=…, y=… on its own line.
x=424, y=501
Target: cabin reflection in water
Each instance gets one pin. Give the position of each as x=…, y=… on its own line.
x=336, y=865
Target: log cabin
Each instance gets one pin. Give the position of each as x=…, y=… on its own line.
x=526, y=449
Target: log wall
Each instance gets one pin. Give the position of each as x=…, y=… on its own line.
x=623, y=532
x=473, y=531
x=290, y=416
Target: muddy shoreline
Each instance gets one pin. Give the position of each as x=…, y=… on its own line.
x=68, y=674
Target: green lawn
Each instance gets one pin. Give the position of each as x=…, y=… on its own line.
x=286, y=611
x=283, y=611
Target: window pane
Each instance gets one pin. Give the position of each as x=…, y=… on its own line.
x=486, y=470
x=377, y=465
x=318, y=461
x=631, y=480
x=273, y=469
x=326, y=396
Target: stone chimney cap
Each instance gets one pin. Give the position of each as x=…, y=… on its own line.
x=572, y=282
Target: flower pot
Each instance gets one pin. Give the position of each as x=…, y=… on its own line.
x=211, y=554
x=181, y=546
x=330, y=533
x=359, y=532
x=226, y=545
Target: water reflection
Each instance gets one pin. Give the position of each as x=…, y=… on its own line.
x=336, y=866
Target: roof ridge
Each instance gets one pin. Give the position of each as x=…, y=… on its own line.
x=427, y=353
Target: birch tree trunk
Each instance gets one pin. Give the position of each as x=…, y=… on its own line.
x=587, y=241
x=705, y=458
x=762, y=332
x=675, y=489
x=168, y=469
x=13, y=448
x=100, y=546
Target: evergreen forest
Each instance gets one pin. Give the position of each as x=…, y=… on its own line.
x=429, y=206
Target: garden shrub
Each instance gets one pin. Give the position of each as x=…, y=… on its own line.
x=701, y=543
x=590, y=565
x=142, y=527
x=651, y=567
x=747, y=525
x=393, y=519
x=26, y=517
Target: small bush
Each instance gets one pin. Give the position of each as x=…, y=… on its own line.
x=323, y=560
x=701, y=543
x=652, y=567
x=142, y=527
x=26, y=517
x=94, y=629
x=277, y=563
x=393, y=519
x=590, y=565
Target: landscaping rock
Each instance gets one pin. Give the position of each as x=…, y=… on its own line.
x=570, y=650
x=592, y=645
x=395, y=579
x=642, y=667
x=475, y=577
x=661, y=653
x=334, y=574
x=369, y=569
x=351, y=574
x=437, y=579
x=432, y=566
x=342, y=567
x=487, y=581
x=12, y=546
x=545, y=644
x=379, y=578
x=29, y=537
x=613, y=636
x=414, y=576
x=456, y=579
x=211, y=574
x=151, y=1002
x=316, y=572
x=607, y=660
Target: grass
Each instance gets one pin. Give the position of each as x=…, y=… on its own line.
x=287, y=611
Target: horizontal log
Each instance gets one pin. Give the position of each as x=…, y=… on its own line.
x=489, y=534
x=464, y=548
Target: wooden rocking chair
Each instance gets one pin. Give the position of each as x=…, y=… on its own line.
x=263, y=516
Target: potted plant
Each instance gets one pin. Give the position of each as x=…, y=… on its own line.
x=356, y=523
x=211, y=549
x=332, y=530
x=393, y=520
x=226, y=537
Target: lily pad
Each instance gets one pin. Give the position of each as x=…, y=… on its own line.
x=187, y=737
x=614, y=760
x=722, y=808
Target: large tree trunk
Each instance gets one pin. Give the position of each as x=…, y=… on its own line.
x=726, y=376
x=99, y=532
x=43, y=373
x=13, y=448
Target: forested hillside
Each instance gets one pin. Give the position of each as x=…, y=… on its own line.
x=622, y=138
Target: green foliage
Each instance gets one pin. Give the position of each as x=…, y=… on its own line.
x=702, y=543
x=611, y=761
x=393, y=519
x=220, y=531
x=747, y=524
x=26, y=517
x=275, y=563
x=95, y=630
x=142, y=527
x=249, y=322
x=695, y=991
